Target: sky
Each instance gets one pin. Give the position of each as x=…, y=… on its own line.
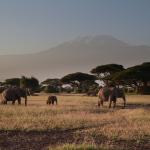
x=29, y=26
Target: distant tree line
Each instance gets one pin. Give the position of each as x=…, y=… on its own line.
x=24, y=82
x=135, y=79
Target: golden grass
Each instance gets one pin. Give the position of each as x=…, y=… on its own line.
x=77, y=147
x=80, y=115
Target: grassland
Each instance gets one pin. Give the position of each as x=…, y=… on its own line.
x=76, y=123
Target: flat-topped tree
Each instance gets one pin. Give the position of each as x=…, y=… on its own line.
x=12, y=82
x=76, y=79
x=31, y=83
x=104, y=71
x=53, y=85
x=139, y=75
x=53, y=82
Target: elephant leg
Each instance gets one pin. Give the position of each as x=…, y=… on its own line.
x=56, y=101
x=124, y=101
x=47, y=102
x=99, y=104
x=19, y=101
x=52, y=102
x=114, y=103
x=25, y=101
x=110, y=103
x=102, y=102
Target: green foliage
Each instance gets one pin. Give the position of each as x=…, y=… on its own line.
x=79, y=81
x=51, y=89
x=12, y=81
x=78, y=76
x=87, y=86
x=144, y=90
x=53, y=82
x=138, y=73
x=53, y=85
x=31, y=83
x=106, y=70
x=23, y=82
x=67, y=89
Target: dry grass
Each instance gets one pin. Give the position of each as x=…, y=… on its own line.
x=77, y=120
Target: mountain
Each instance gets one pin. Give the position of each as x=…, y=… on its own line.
x=81, y=54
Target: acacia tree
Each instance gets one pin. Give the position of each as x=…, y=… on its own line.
x=54, y=82
x=53, y=85
x=77, y=79
x=89, y=87
x=103, y=72
x=138, y=75
x=12, y=82
x=106, y=70
x=24, y=82
x=31, y=83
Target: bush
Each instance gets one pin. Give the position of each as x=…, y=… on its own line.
x=144, y=90
x=51, y=89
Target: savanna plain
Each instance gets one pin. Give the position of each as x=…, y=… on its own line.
x=76, y=123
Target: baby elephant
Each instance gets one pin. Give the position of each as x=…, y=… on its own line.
x=51, y=100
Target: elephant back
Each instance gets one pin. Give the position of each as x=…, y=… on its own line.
x=13, y=93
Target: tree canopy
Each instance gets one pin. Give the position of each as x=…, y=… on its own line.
x=53, y=85
x=53, y=82
x=78, y=76
x=106, y=70
x=12, y=81
x=80, y=81
x=31, y=83
x=136, y=73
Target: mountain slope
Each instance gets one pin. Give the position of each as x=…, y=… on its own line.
x=81, y=54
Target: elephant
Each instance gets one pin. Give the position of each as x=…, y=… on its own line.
x=51, y=100
x=110, y=94
x=13, y=94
